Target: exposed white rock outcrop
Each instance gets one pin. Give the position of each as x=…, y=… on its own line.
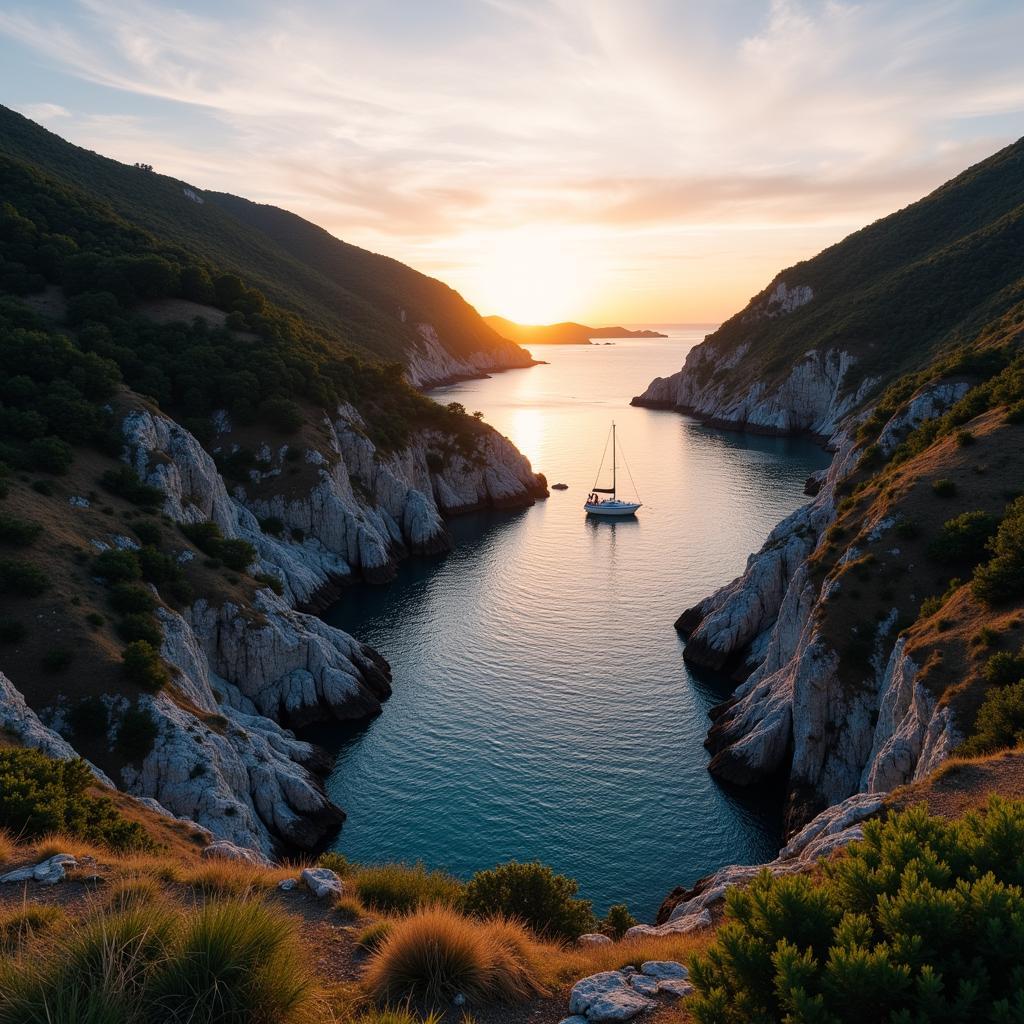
x=834, y=828
x=46, y=872
x=21, y=723
x=837, y=737
x=430, y=363
x=812, y=397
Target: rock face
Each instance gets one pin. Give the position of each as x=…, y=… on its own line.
x=429, y=363
x=246, y=673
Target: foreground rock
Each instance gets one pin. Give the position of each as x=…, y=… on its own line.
x=607, y=996
x=47, y=872
x=322, y=882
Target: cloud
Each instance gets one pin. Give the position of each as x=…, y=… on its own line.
x=46, y=111
x=412, y=128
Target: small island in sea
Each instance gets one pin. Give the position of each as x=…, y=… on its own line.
x=567, y=333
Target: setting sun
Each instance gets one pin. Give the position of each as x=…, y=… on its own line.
x=531, y=278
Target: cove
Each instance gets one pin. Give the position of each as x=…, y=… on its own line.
x=542, y=708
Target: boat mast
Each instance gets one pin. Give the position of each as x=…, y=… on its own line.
x=613, y=460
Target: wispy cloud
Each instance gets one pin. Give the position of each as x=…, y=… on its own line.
x=632, y=132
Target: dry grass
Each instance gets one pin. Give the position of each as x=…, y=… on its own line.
x=8, y=848
x=231, y=878
x=20, y=924
x=560, y=965
x=436, y=952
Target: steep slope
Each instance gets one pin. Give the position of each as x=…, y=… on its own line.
x=186, y=471
x=566, y=333
x=830, y=332
x=364, y=303
x=877, y=631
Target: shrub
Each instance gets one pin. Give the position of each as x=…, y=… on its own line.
x=51, y=455
x=337, y=862
x=268, y=580
x=943, y=488
x=235, y=554
x=22, y=578
x=117, y=566
x=18, y=531
x=999, y=724
x=234, y=962
x=371, y=937
x=20, y=924
x=89, y=717
x=282, y=413
x=906, y=529
x=143, y=666
x=39, y=795
x=963, y=539
x=534, y=894
x=401, y=888
x=617, y=921
x=140, y=626
x=136, y=733
x=148, y=532
x=43, y=487
x=1004, y=668
x=921, y=921
x=12, y=631
x=436, y=953
x=1002, y=577
x=964, y=438
x=128, y=598
x=985, y=637
x=125, y=483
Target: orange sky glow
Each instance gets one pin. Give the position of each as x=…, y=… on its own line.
x=595, y=160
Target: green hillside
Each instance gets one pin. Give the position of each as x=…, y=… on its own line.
x=904, y=288
x=353, y=296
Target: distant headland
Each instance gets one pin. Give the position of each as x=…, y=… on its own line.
x=567, y=333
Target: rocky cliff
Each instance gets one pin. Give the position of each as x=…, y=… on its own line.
x=247, y=663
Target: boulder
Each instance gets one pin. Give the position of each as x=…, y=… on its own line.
x=223, y=850
x=288, y=884
x=676, y=987
x=662, y=969
x=607, y=996
x=593, y=939
x=644, y=985
x=46, y=872
x=323, y=882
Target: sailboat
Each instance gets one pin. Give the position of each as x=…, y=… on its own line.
x=613, y=506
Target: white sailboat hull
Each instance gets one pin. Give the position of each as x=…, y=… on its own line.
x=612, y=508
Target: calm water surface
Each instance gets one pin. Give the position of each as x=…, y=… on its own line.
x=542, y=708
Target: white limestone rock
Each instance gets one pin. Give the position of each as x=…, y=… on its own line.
x=322, y=882
x=431, y=364
x=662, y=969
x=221, y=849
x=593, y=939
x=607, y=996
x=675, y=987
x=46, y=872
x=644, y=985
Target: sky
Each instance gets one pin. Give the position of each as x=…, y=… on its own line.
x=610, y=161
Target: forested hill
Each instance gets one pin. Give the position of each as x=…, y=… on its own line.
x=921, y=280
x=368, y=304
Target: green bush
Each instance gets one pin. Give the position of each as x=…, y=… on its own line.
x=273, y=525
x=999, y=724
x=401, y=888
x=39, y=795
x=1002, y=577
x=125, y=483
x=18, y=531
x=136, y=733
x=1004, y=668
x=117, y=566
x=943, y=488
x=235, y=554
x=89, y=717
x=22, y=578
x=282, y=413
x=141, y=626
x=922, y=921
x=534, y=894
x=51, y=455
x=148, y=532
x=964, y=438
x=126, y=598
x=964, y=538
x=144, y=666
x=617, y=921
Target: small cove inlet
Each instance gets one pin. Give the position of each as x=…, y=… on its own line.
x=541, y=707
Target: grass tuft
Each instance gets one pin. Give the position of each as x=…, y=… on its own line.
x=437, y=952
x=403, y=888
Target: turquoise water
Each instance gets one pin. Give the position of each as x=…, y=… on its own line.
x=542, y=708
